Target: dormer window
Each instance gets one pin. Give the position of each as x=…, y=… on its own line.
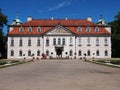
x=21, y=29
x=29, y=29
x=79, y=29
x=39, y=29
x=87, y=29
x=96, y=29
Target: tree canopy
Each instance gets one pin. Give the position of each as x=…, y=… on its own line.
x=116, y=36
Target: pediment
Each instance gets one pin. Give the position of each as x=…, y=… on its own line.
x=59, y=30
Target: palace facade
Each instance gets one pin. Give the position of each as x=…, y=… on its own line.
x=59, y=38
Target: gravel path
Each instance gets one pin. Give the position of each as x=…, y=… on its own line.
x=59, y=75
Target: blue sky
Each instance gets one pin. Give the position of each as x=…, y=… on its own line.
x=59, y=9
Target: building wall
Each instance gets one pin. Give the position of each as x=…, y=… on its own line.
x=75, y=48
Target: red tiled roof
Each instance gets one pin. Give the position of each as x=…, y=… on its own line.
x=46, y=25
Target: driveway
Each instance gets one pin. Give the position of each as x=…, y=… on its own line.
x=59, y=75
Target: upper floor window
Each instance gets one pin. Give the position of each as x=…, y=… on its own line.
x=71, y=41
x=54, y=41
x=38, y=42
x=97, y=41
x=29, y=42
x=79, y=41
x=88, y=41
x=20, y=42
x=96, y=29
x=39, y=29
x=47, y=42
x=106, y=41
x=21, y=29
x=29, y=29
x=12, y=41
x=79, y=29
x=87, y=29
x=63, y=41
x=59, y=41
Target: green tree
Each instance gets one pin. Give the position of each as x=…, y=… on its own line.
x=3, y=21
x=116, y=36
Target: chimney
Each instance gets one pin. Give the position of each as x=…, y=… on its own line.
x=52, y=18
x=89, y=19
x=66, y=18
x=29, y=19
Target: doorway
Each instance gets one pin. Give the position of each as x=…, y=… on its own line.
x=59, y=52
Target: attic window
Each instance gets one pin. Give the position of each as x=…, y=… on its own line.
x=39, y=29
x=21, y=29
x=79, y=29
x=96, y=29
x=29, y=29
x=87, y=29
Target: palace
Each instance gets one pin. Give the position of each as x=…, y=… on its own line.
x=59, y=38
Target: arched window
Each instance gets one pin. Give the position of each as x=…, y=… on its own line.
x=12, y=53
x=29, y=53
x=20, y=53
x=79, y=29
x=71, y=53
x=97, y=53
x=39, y=29
x=38, y=53
x=87, y=29
x=96, y=29
x=29, y=29
x=47, y=53
x=79, y=53
x=88, y=53
x=21, y=29
x=106, y=53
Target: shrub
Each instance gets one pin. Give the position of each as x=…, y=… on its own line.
x=2, y=62
x=115, y=62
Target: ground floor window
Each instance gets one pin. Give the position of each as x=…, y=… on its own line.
x=38, y=53
x=20, y=53
x=79, y=53
x=47, y=53
x=12, y=53
x=106, y=53
x=29, y=53
x=71, y=53
x=88, y=52
x=97, y=53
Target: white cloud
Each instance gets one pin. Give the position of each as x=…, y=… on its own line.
x=58, y=6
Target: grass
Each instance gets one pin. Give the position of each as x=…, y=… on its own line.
x=8, y=63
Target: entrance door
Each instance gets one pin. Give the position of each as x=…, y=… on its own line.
x=59, y=52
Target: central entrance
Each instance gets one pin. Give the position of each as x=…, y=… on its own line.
x=59, y=51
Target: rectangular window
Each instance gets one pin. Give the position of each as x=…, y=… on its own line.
x=29, y=42
x=47, y=42
x=79, y=41
x=97, y=53
x=29, y=53
x=63, y=41
x=20, y=42
x=88, y=53
x=59, y=41
x=47, y=53
x=54, y=41
x=106, y=53
x=106, y=41
x=97, y=41
x=12, y=42
x=71, y=41
x=38, y=42
x=88, y=41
